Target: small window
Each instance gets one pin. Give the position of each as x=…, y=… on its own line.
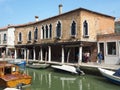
x=29, y=36
x=85, y=29
x=73, y=29
x=36, y=34
x=13, y=69
x=20, y=37
x=111, y=48
x=5, y=37
x=58, y=30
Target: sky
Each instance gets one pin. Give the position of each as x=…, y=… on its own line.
x=24, y=11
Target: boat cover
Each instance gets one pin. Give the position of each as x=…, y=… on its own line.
x=117, y=73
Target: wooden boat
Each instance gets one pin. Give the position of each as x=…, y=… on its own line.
x=68, y=68
x=10, y=76
x=38, y=65
x=110, y=75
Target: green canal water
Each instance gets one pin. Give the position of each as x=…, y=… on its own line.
x=48, y=79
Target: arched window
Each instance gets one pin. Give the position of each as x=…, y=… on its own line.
x=20, y=37
x=43, y=32
x=36, y=34
x=29, y=36
x=46, y=31
x=5, y=37
x=85, y=28
x=73, y=29
x=58, y=30
x=50, y=30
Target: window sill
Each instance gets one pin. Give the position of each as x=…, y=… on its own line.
x=29, y=41
x=85, y=36
x=19, y=42
x=73, y=36
x=4, y=41
x=58, y=38
x=35, y=40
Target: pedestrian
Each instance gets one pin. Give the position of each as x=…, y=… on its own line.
x=100, y=57
x=3, y=55
x=88, y=56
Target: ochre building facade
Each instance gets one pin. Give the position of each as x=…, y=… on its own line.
x=64, y=38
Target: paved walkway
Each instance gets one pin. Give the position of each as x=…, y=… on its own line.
x=102, y=65
x=87, y=65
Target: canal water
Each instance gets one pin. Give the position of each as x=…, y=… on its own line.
x=48, y=79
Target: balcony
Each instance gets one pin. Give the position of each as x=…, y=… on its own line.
x=29, y=41
x=19, y=42
x=35, y=40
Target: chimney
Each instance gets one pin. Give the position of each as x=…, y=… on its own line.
x=60, y=8
x=36, y=18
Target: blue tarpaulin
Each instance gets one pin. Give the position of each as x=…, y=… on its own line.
x=117, y=73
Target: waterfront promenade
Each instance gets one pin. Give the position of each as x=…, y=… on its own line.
x=93, y=65
x=102, y=65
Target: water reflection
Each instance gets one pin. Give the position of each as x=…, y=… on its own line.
x=50, y=80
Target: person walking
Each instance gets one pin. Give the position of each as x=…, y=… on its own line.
x=100, y=57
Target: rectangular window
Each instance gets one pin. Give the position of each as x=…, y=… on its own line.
x=111, y=48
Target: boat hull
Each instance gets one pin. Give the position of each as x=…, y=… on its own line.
x=109, y=76
x=38, y=66
x=67, y=68
x=14, y=80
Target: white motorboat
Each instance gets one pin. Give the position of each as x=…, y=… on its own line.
x=68, y=68
x=110, y=75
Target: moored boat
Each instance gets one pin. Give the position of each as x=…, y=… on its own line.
x=10, y=76
x=18, y=62
x=38, y=65
x=68, y=68
x=22, y=63
x=110, y=75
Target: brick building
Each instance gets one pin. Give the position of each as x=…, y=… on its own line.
x=62, y=38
